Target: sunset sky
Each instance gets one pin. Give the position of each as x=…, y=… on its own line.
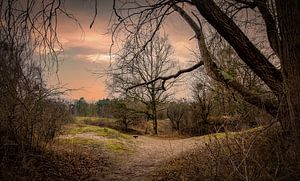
x=87, y=52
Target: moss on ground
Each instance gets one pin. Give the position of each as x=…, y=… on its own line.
x=116, y=146
x=99, y=131
x=80, y=141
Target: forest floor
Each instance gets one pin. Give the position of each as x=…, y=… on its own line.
x=132, y=158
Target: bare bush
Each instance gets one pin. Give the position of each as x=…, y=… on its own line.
x=30, y=113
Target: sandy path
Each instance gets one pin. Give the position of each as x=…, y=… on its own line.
x=150, y=153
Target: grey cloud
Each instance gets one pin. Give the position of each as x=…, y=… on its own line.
x=75, y=50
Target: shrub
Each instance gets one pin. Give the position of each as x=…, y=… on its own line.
x=30, y=113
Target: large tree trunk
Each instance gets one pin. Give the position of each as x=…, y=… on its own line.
x=270, y=105
x=289, y=25
x=284, y=83
x=288, y=90
x=154, y=109
x=246, y=50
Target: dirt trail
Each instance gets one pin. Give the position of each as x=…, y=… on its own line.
x=150, y=153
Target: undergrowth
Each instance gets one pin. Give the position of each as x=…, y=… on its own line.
x=76, y=163
x=257, y=154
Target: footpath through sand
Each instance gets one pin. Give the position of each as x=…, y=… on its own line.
x=150, y=153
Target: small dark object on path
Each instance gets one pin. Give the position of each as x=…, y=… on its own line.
x=135, y=136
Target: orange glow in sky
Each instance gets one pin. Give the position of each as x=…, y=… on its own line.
x=87, y=52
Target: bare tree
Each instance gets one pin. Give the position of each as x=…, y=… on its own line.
x=202, y=100
x=280, y=21
x=32, y=25
x=30, y=112
x=175, y=113
x=131, y=68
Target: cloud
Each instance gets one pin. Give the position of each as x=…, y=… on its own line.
x=87, y=50
x=88, y=55
x=99, y=58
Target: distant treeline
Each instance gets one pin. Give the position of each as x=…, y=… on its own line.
x=194, y=117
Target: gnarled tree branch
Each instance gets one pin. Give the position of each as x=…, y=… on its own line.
x=270, y=25
x=214, y=71
x=165, y=78
x=241, y=44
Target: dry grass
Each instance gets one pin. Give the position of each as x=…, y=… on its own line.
x=91, y=151
x=73, y=156
x=258, y=154
x=61, y=162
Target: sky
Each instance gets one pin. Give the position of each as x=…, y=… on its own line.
x=86, y=51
